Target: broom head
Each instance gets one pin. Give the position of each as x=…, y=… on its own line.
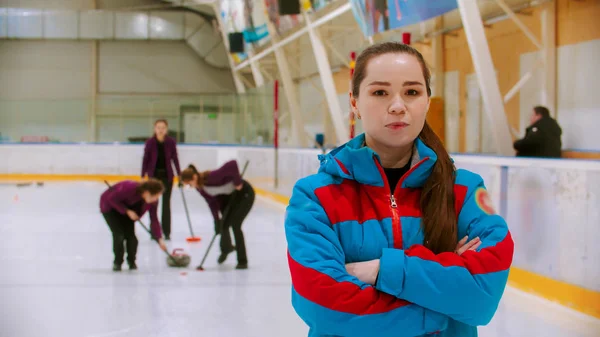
x=193, y=239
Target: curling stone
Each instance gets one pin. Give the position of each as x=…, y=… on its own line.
x=180, y=259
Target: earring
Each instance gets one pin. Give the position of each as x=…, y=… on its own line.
x=358, y=116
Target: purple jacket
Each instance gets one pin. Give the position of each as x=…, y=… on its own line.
x=123, y=196
x=151, y=155
x=220, y=182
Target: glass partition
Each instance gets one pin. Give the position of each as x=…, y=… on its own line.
x=218, y=118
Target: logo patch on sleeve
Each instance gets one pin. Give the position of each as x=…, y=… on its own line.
x=483, y=201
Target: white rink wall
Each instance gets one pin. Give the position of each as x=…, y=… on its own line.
x=551, y=206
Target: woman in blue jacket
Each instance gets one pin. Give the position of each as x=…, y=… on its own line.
x=376, y=239
x=160, y=151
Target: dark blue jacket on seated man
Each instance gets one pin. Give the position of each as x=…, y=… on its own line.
x=542, y=137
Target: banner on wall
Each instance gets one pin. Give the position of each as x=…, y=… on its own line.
x=242, y=16
x=318, y=4
x=376, y=16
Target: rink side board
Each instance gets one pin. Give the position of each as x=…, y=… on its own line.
x=572, y=296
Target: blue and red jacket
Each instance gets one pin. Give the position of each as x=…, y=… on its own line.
x=345, y=213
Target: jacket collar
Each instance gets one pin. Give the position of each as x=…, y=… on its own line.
x=355, y=161
x=154, y=141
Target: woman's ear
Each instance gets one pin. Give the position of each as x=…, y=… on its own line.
x=354, y=104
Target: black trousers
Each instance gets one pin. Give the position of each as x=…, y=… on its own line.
x=123, y=233
x=166, y=201
x=241, y=204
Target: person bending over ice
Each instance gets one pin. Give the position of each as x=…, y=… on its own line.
x=121, y=206
x=221, y=187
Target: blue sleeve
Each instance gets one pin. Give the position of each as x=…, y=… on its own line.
x=468, y=287
x=328, y=299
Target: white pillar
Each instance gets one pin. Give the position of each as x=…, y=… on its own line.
x=298, y=134
x=239, y=86
x=259, y=80
x=486, y=75
x=437, y=47
x=93, y=126
x=549, y=58
x=335, y=110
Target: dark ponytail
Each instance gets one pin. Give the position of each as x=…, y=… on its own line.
x=188, y=174
x=437, y=198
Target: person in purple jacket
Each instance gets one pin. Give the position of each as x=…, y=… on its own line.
x=220, y=188
x=122, y=205
x=159, y=152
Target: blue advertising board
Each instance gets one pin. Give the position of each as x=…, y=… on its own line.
x=376, y=16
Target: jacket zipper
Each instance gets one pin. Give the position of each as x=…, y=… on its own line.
x=396, y=226
x=396, y=229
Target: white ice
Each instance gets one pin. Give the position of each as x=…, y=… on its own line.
x=56, y=279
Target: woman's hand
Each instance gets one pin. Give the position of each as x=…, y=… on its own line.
x=461, y=247
x=239, y=187
x=162, y=244
x=132, y=215
x=366, y=271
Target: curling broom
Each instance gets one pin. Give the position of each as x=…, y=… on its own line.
x=192, y=238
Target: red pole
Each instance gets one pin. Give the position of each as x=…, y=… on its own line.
x=276, y=129
x=276, y=114
x=352, y=117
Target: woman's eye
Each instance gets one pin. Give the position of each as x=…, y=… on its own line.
x=412, y=92
x=379, y=93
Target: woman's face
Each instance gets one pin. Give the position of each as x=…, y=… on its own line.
x=393, y=100
x=149, y=198
x=160, y=129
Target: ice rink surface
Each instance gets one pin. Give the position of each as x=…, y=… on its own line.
x=56, y=279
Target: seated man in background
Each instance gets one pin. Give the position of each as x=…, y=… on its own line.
x=542, y=137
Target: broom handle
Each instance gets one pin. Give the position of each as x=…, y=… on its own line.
x=187, y=213
x=145, y=228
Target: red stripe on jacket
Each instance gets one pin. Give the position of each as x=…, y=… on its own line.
x=344, y=296
x=488, y=260
x=344, y=169
x=460, y=193
x=350, y=201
